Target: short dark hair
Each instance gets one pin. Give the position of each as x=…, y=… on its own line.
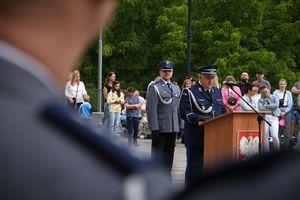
x=260, y=72
x=263, y=87
x=130, y=90
x=249, y=87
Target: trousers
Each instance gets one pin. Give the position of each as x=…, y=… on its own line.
x=271, y=131
x=162, y=148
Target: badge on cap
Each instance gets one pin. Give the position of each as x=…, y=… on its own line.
x=166, y=65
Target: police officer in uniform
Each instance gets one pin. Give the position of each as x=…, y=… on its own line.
x=197, y=104
x=162, y=112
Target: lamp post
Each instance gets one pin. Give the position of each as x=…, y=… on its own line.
x=99, y=109
x=189, y=39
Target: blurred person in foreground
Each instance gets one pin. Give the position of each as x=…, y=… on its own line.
x=45, y=153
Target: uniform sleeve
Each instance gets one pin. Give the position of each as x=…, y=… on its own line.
x=185, y=109
x=151, y=108
x=223, y=107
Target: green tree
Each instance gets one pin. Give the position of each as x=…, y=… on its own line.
x=237, y=35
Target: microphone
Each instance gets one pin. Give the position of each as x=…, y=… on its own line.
x=231, y=84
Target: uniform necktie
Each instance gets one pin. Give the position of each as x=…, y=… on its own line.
x=170, y=87
x=208, y=93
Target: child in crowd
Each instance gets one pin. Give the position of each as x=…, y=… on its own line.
x=133, y=115
x=115, y=99
x=85, y=109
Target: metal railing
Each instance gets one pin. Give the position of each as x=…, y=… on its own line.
x=93, y=93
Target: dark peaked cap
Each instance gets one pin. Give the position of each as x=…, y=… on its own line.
x=210, y=70
x=166, y=65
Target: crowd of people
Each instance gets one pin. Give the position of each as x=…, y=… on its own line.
x=257, y=95
x=127, y=108
x=77, y=97
x=120, y=105
x=207, y=98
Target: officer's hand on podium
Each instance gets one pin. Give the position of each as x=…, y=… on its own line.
x=202, y=119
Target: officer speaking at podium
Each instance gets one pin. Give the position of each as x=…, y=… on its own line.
x=197, y=104
x=162, y=113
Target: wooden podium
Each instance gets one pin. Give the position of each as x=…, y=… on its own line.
x=222, y=134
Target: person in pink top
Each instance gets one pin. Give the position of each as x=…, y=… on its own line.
x=230, y=99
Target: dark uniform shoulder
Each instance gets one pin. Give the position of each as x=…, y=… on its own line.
x=195, y=88
x=185, y=91
x=215, y=89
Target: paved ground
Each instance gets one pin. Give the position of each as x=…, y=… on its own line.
x=179, y=163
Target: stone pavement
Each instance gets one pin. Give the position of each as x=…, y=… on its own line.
x=179, y=163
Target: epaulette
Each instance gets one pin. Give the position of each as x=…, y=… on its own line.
x=155, y=82
x=193, y=99
x=125, y=163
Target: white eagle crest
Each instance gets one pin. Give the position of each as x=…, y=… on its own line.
x=248, y=147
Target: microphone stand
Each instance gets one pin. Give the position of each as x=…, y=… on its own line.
x=260, y=118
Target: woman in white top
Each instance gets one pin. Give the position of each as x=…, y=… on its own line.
x=75, y=90
x=285, y=105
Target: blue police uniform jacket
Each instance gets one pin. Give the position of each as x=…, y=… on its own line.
x=196, y=105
